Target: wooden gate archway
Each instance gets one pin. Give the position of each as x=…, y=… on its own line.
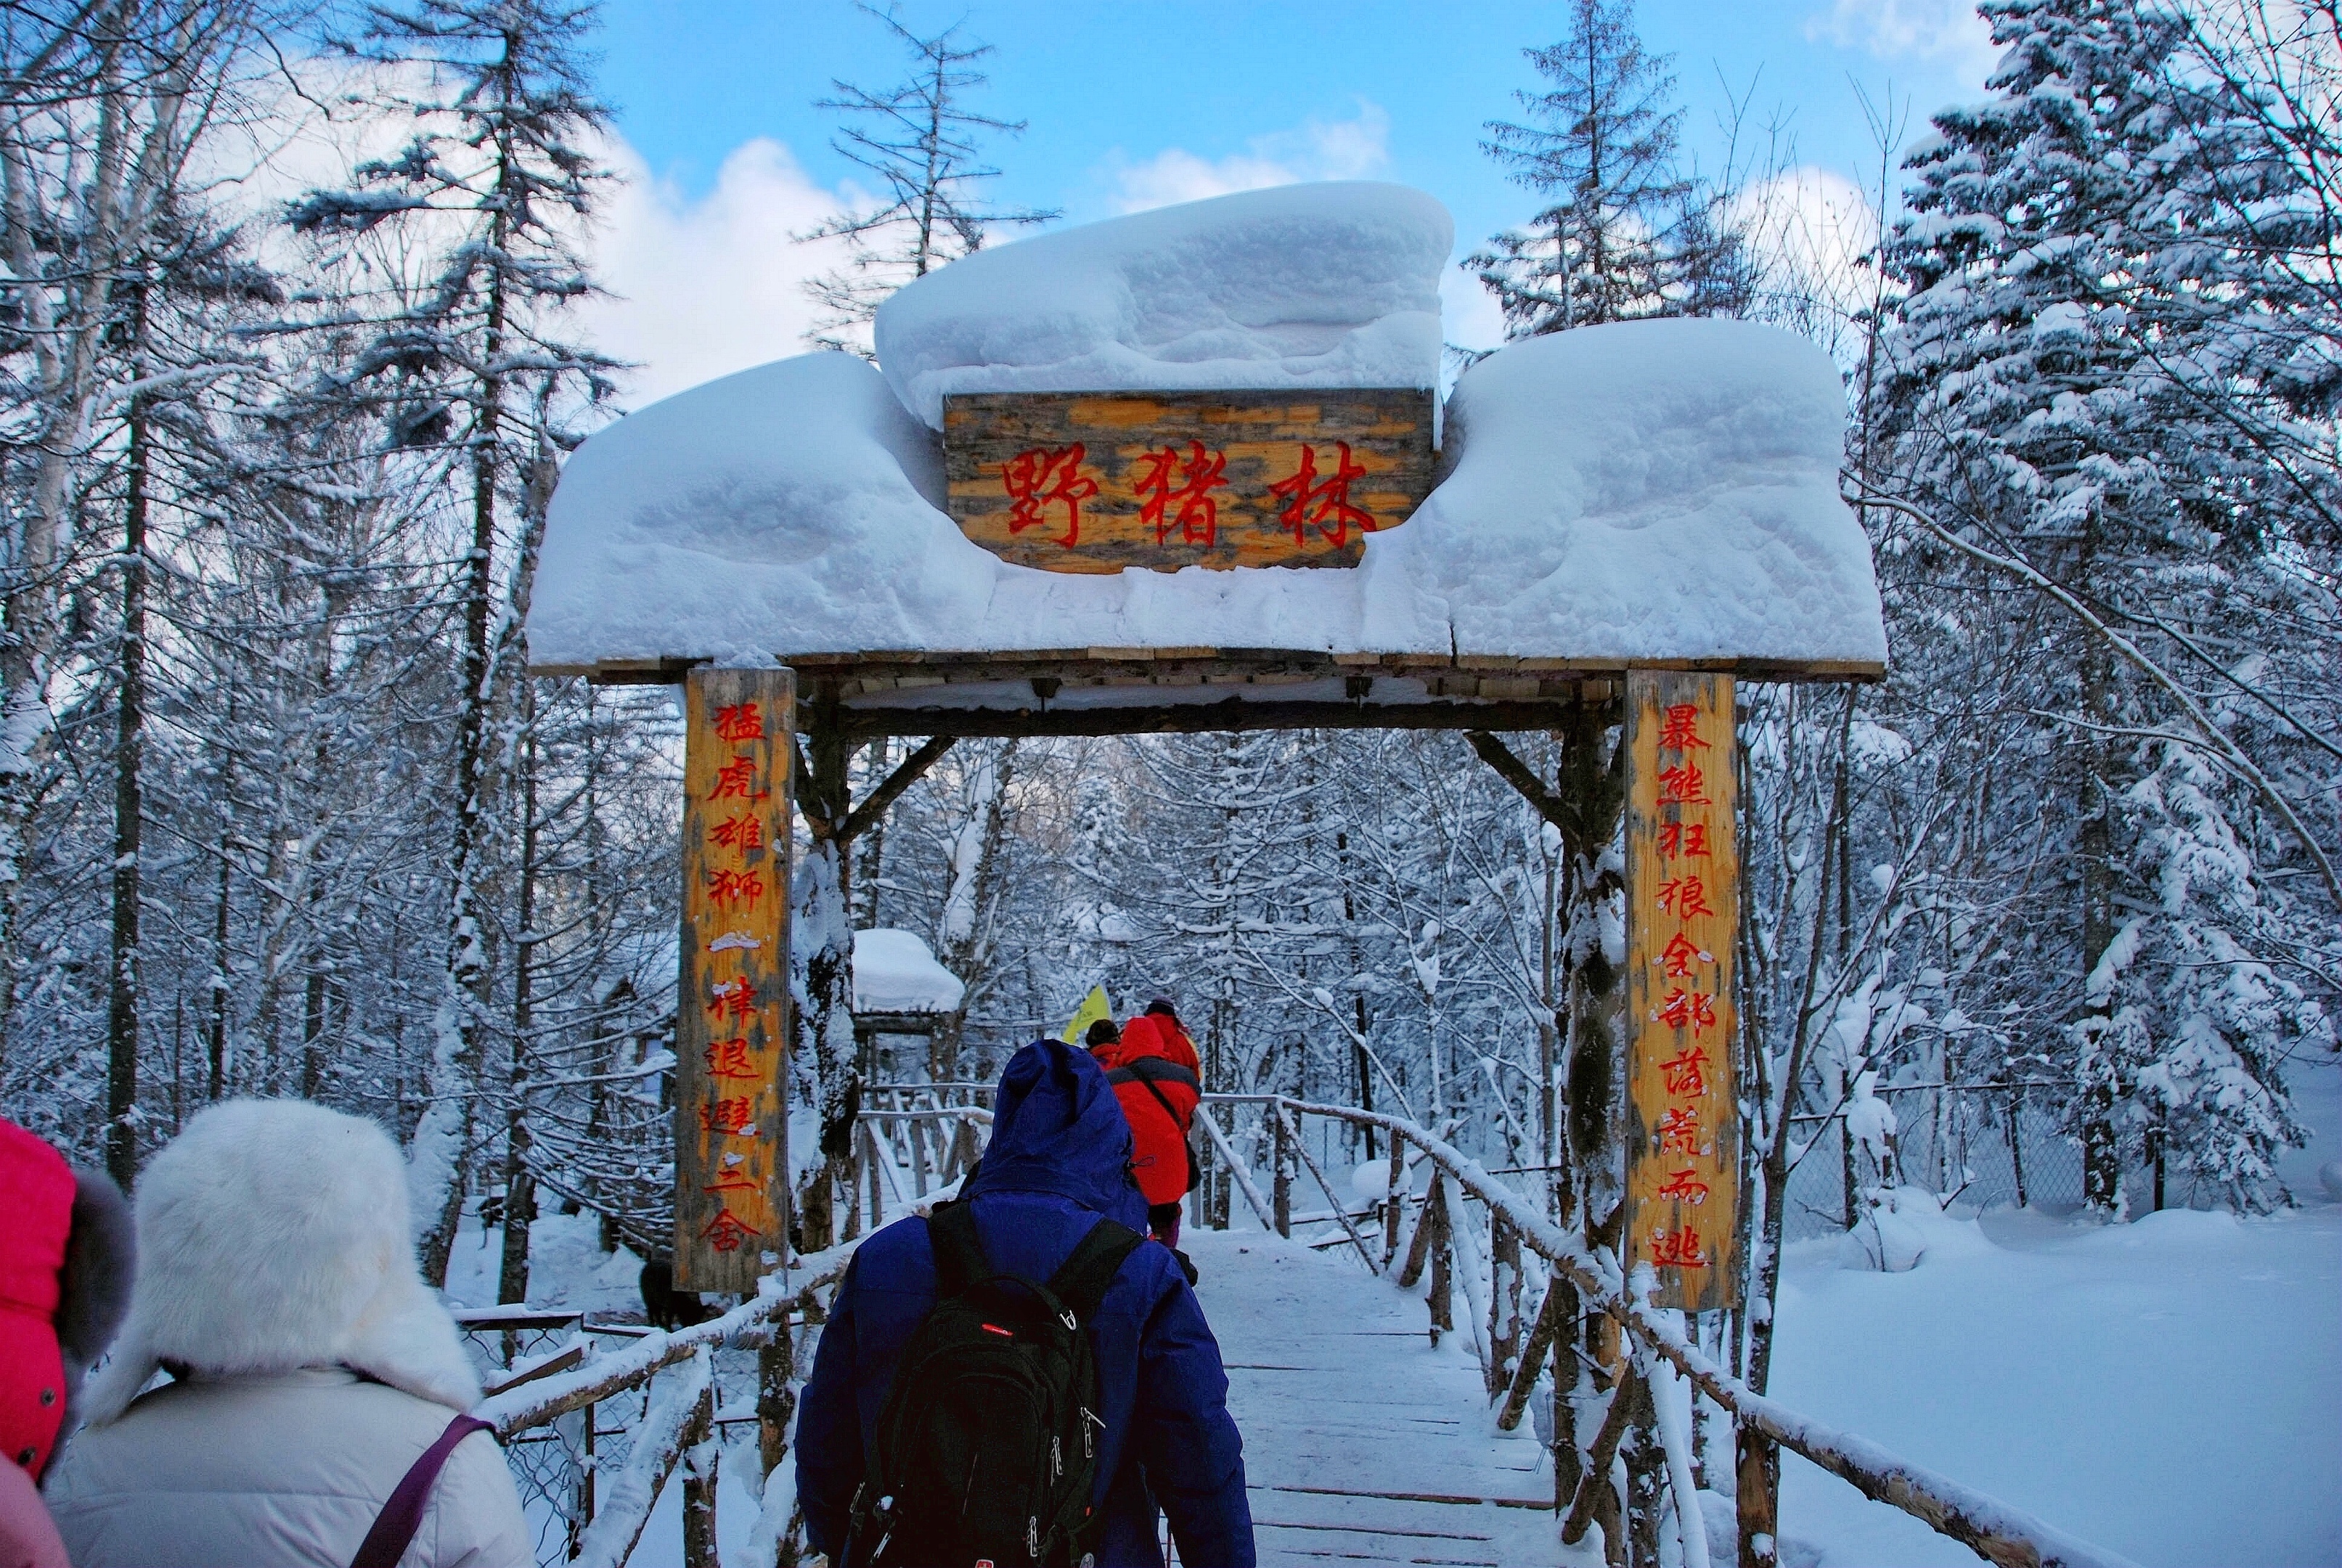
x=1635, y=521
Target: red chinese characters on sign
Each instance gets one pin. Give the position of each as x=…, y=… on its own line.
x=727, y=1232
x=734, y=887
x=1041, y=477
x=734, y=998
x=1161, y=478
x=1679, y=728
x=1679, y=956
x=1677, y=1249
x=740, y=721
x=1679, y=1132
x=1683, y=784
x=1322, y=503
x=733, y=1115
x=741, y=832
x=730, y=1059
x=1687, y=1010
x=1686, y=1071
x=1684, y=1185
x=1683, y=838
x=737, y=780
x=1685, y=897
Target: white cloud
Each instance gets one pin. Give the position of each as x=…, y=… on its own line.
x=1316, y=150
x=1945, y=30
x=1810, y=227
x=700, y=287
x=1470, y=316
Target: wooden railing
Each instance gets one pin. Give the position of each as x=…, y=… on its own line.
x=675, y=1372
x=1441, y=1247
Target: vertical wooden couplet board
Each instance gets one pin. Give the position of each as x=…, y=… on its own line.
x=732, y=996
x=1683, y=909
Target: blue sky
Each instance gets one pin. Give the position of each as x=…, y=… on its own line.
x=1138, y=103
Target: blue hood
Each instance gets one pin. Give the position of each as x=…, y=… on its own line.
x=1057, y=1128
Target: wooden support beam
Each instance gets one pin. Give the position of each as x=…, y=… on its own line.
x=1541, y=1337
x=1597, y=1479
x=908, y=772
x=1231, y=715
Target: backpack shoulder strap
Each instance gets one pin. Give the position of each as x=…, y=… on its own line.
x=959, y=1251
x=1081, y=1281
x=402, y=1512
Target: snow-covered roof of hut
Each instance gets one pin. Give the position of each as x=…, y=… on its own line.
x=895, y=972
x=1641, y=491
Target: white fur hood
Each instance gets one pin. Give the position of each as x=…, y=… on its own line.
x=273, y=1235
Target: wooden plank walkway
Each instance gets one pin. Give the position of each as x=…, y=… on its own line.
x=1362, y=1443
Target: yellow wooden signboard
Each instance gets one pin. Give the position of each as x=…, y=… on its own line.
x=1098, y=482
x=731, y=1029
x=1682, y=893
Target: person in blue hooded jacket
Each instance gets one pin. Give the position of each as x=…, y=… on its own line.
x=1058, y=1161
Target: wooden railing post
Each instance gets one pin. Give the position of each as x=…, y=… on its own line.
x=1418, y=1249
x=1281, y=1178
x=1532, y=1354
x=699, y=1484
x=1759, y=1473
x=919, y=1156
x=1443, y=1314
x=1504, y=1301
x=1394, y=1200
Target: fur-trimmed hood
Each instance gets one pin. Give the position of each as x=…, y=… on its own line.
x=273, y=1235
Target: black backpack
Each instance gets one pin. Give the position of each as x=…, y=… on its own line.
x=986, y=1447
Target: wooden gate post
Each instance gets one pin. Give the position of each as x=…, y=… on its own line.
x=1683, y=911
x=732, y=997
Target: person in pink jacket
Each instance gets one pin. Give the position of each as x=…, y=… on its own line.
x=64, y=1279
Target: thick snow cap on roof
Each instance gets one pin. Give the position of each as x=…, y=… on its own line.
x=1331, y=284
x=895, y=971
x=1646, y=491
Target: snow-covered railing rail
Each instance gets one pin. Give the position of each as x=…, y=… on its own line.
x=678, y=1420
x=1993, y=1529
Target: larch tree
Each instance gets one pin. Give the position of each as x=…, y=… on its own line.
x=1598, y=146
x=496, y=179
x=921, y=142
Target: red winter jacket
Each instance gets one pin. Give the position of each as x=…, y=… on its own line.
x=36, y=1195
x=1154, y=1057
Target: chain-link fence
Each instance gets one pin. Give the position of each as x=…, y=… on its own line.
x=554, y=1467
x=1983, y=1145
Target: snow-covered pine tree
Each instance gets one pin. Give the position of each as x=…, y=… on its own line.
x=495, y=179
x=922, y=141
x=2061, y=387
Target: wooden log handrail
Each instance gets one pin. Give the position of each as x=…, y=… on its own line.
x=545, y=1400
x=1996, y=1531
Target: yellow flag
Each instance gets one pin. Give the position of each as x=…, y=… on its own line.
x=1094, y=1007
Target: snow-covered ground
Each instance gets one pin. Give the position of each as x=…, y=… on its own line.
x=2169, y=1389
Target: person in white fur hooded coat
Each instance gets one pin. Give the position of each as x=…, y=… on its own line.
x=309, y=1366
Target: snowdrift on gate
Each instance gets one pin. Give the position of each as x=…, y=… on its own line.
x=1317, y=285
x=1642, y=491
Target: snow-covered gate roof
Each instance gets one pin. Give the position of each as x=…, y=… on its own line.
x=1658, y=493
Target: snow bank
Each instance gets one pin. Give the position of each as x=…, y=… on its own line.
x=894, y=971
x=1331, y=284
x=1644, y=491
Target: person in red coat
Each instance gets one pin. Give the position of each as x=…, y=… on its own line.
x=1156, y=1076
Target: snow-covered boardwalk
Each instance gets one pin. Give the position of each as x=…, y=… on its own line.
x=1362, y=1443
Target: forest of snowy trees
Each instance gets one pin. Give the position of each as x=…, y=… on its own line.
x=290, y=368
